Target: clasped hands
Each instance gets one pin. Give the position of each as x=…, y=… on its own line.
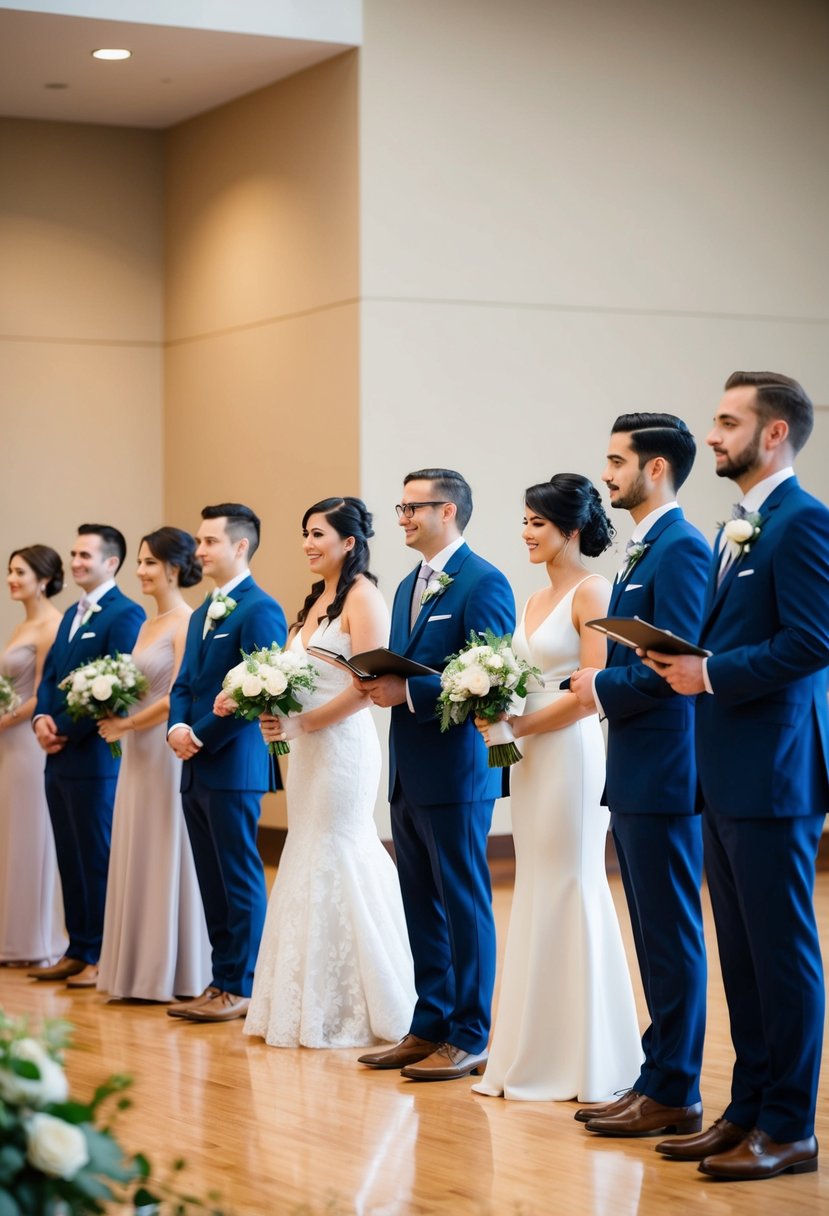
x=46, y=732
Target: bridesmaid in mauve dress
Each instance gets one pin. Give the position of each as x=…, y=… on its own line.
x=31, y=921
x=155, y=943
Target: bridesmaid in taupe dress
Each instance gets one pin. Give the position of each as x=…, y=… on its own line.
x=31, y=922
x=155, y=941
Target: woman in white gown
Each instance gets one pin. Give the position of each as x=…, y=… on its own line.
x=31, y=908
x=566, y=1025
x=155, y=942
x=334, y=966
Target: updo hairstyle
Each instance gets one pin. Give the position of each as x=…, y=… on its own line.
x=573, y=504
x=46, y=564
x=348, y=517
x=178, y=549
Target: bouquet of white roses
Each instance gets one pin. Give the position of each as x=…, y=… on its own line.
x=267, y=682
x=485, y=679
x=9, y=699
x=53, y=1155
x=105, y=688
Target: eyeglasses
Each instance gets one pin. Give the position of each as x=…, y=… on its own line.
x=405, y=510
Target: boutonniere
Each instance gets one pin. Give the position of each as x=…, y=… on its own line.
x=220, y=608
x=90, y=612
x=634, y=552
x=742, y=533
x=436, y=586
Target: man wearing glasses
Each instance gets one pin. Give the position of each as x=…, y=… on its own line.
x=440, y=786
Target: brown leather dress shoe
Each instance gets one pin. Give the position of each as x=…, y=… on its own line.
x=409, y=1050
x=644, y=1117
x=605, y=1108
x=182, y=1008
x=87, y=978
x=758, y=1156
x=61, y=970
x=719, y=1137
x=222, y=1007
x=446, y=1063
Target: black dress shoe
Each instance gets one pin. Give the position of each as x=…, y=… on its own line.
x=605, y=1108
x=644, y=1117
x=410, y=1050
x=719, y=1137
x=758, y=1156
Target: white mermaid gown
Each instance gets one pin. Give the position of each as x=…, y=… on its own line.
x=566, y=1025
x=334, y=966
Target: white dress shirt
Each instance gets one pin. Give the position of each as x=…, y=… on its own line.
x=91, y=597
x=436, y=564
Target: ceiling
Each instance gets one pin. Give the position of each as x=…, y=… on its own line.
x=173, y=74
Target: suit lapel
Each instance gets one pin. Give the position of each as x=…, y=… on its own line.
x=238, y=594
x=651, y=539
x=451, y=569
x=103, y=603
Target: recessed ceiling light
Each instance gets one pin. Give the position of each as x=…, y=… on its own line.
x=111, y=53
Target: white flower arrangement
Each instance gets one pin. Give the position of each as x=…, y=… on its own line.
x=634, y=552
x=90, y=612
x=9, y=697
x=267, y=682
x=485, y=679
x=219, y=608
x=435, y=586
x=104, y=688
x=742, y=533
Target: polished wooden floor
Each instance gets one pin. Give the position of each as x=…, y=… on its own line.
x=279, y=1131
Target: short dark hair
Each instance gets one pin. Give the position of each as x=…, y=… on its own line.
x=449, y=485
x=178, y=549
x=242, y=522
x=779, y=396
x=112, y=541
x=662, y=435
x=46, y=564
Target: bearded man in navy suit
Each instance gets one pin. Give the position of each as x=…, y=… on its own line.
x=80, y=771
x=762, y=742
x=226, y=767
x=651, y=775
x=441, y=788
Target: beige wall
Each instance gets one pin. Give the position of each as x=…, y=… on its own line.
x=261, y=286
x=570, y=210
x=80, y=335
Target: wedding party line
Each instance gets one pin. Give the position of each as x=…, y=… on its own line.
x=135, y=752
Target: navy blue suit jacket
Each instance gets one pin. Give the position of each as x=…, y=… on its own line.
x=113, y=629
x=436, y=767
x=650, y=754
x=234, y=756
x=763, y=738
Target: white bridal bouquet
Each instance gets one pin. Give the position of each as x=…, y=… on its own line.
x=55, y=1156
x=484, y=679
x=9, y=699
x=105, y=688
x=266, y=682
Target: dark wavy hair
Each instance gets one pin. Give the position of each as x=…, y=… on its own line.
x=348, y=517
x=573, y=504
x=177, y=548
x=46, y=564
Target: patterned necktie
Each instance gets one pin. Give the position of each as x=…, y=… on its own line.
x=424, y=574
x=738, y=511
x=80, y=612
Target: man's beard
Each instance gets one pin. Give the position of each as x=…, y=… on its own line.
x=635, y=496
x=743, y=462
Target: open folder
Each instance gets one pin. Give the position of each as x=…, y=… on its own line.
x=640, y=635
x=372, y=663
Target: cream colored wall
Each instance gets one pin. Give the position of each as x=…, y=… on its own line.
x=571, y=210
x=261, y=286
x=80, y=336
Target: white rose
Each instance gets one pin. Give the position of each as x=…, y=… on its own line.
x=252, y=684
x=55, y=1147
x=50, y=1086
x=101, y=687
x=475, y=681
x=79, y=682
x=739, y=531
x=468, y=656
x=275, y=681
x=216, y=610
x=235, y=676
x=495, y=662
x=287, y=661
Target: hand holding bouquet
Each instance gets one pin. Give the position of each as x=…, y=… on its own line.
x=267, y=682
x=484, y=679
x=105, y=688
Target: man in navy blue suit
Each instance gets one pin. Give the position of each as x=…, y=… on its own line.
x=762, y=737
x=226, y=767
x=80, y=771
x=441, y=789
x=651, y=775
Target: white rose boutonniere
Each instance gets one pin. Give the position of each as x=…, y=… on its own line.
x=635, y=550
x=220, y=608
x=742, y=533
x=90, y=612
x=436, y=586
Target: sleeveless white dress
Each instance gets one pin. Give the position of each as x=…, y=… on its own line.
x=566, y=1025
x=334, y=966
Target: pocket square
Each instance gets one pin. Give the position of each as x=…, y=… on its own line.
x=88, y=635
x=441, y=616
x=743, y=573
x=216, y=636
x=634, y=587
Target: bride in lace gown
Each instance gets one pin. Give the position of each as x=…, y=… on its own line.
x=566, y=1025
x=334, y=967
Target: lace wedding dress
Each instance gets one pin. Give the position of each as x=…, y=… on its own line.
x=566, y=1025
x=334, y=966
